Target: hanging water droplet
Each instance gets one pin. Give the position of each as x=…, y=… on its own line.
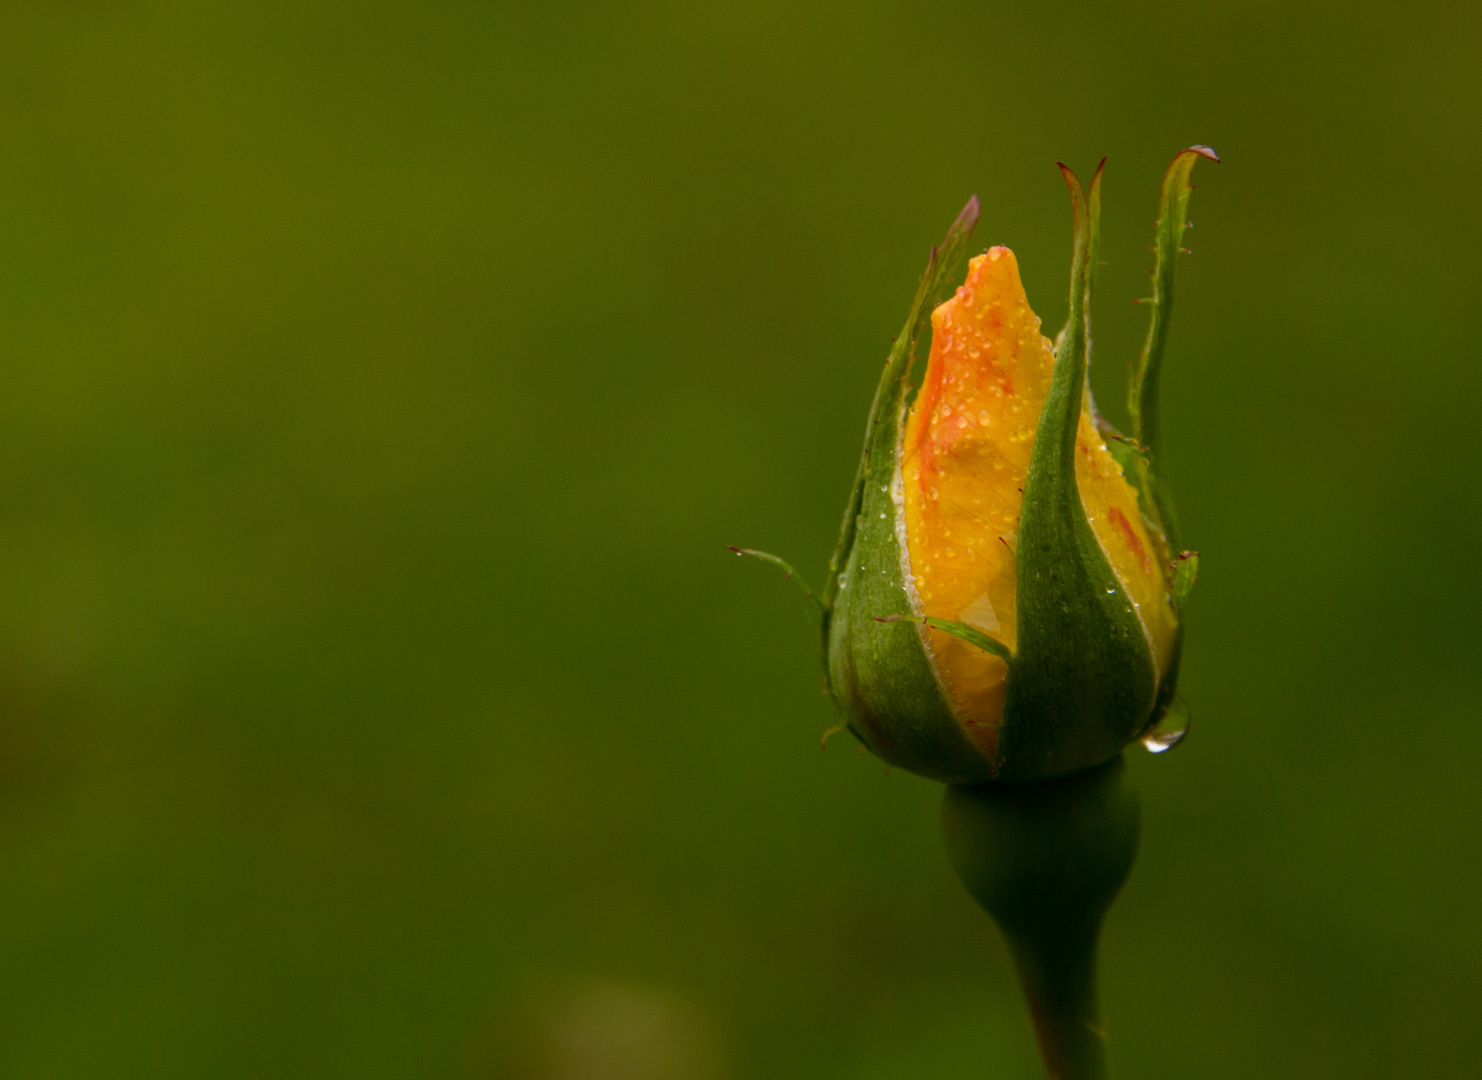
x=1166, y=733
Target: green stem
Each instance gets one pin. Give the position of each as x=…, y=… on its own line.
x=1046, y=860
x=1060, y=989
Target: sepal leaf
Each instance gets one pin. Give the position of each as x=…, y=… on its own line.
x=879, y=673
x=1185, y=574
x=1083, y=681
x=970, y=634
x=882, y=427
x=1142, y=391
x=786, y=568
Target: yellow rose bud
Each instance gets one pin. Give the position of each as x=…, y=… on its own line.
x=1004, y=599
x=965, y=460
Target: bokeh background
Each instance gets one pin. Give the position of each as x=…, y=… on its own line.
x=381, y=383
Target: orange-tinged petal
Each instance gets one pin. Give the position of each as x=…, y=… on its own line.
x=965, y=456
x=1138, y=556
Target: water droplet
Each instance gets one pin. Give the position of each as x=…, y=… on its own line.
x=1111, y=590
x=1166, y=733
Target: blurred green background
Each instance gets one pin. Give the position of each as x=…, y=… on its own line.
x=380, y=384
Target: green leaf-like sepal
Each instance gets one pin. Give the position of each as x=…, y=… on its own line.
x=879, y=673
x=1148, y=476
x=1185, y=574
x=1083, y=683
x=970, y=634
x=1142, y=391
x=882, y=429
x=787, y=569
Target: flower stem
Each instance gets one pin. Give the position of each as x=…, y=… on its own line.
x=1046, y=860
x=1060, y=989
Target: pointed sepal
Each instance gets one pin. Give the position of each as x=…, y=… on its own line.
x=1185, y=574
x=813, y=598
x=1083, y=683
x=879, y=672
x=961, y=630
x=883, y=425
x=1142, y=391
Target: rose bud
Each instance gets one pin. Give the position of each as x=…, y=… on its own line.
x=1004, y=601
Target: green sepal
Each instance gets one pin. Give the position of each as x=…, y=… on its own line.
x=879, y=672
x=1083, y=683
x=786, y=568
x=883, y=426
x=1185, y=574
x=1142, y=391
x=970, y=634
